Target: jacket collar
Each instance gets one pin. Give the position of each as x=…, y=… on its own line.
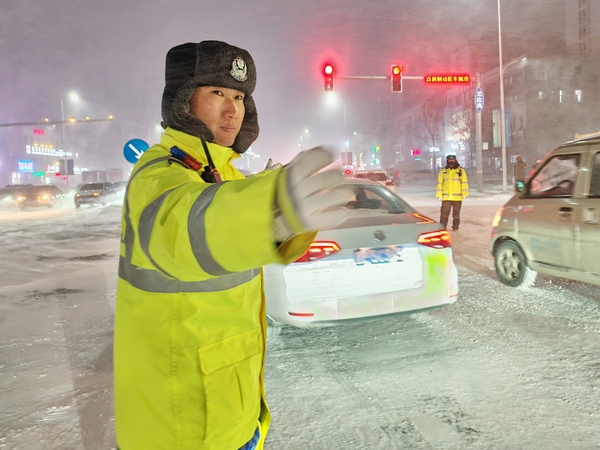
x=192, y=145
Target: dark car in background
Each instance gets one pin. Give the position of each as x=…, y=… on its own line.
x=32, y=196
x=95, y=193
x=11, y=189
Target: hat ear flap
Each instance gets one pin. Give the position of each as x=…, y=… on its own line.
x=179, y=117
x=249, y=129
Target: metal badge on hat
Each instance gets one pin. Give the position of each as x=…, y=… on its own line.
x=239, y=71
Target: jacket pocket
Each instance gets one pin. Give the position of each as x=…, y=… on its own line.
x=231, y=381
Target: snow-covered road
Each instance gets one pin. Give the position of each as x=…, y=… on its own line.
x=502, y=368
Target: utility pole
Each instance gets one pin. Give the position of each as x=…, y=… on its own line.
x=479, y=156
x=64, y=144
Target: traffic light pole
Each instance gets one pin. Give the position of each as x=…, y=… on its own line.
x=404, y=77
x=52, y=122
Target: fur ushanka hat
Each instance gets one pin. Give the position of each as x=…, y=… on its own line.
x=208, y=63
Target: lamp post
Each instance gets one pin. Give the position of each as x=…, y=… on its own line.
x=73, y=96
x=64, y=144
x=345, y=127
x=502, y=137
x=503, y=118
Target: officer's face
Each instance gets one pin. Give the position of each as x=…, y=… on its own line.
x=221, y=109
x=452, y=163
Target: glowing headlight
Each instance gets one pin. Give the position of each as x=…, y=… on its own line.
x=497, y=217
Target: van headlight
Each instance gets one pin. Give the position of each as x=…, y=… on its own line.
x=497, y=217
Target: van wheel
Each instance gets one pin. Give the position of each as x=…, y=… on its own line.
x=77, y=205
x=511, y=265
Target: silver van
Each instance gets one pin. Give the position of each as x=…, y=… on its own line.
x=552, y=224
x=95, y=193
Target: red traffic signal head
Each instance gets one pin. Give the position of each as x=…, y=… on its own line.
x=328, y=76
x=396, y=77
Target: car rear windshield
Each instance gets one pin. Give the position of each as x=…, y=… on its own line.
x=373, y=176
x=92, y=187
x=38, y=189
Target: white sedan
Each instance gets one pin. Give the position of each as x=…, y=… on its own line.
x=391, y=260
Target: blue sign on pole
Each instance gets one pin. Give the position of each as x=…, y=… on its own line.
x=479, y=100
x=134, y=149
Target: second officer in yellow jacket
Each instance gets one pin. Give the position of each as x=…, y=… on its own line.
x=452, y=188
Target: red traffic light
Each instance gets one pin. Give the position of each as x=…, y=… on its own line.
x=396, y=78
x=328, y=76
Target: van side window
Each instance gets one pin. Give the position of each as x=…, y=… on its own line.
x=557, y=177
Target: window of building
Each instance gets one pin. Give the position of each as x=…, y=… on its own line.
x=540, y=95
x=578, y=95
x=560, y=96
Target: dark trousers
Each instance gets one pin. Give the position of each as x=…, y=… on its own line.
x=448, y=205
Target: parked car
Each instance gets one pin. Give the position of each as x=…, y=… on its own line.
x=48, y=196
x=552, y=224
x=418, y=175
x=95, y=193
x=387, y=259
x=378, y=176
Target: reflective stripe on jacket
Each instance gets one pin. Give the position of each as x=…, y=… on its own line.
x=190, y=327
x=452, y=184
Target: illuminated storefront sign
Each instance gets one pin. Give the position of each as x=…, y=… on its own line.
x=48, y=151
x=38, y=150
x=25, y=165
x=447, y=79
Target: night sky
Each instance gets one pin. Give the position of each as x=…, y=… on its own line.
x=112, y=55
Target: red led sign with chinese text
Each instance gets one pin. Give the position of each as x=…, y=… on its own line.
x=447, y=79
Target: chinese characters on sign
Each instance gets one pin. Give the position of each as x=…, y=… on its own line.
x=447, y=78
x=38, y=150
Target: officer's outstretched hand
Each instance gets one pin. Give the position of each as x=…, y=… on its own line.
x=271, y=165
x=304, y=199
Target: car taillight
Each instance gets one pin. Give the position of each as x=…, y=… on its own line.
x=319, y=249
x=435, y=239
x=301, y=314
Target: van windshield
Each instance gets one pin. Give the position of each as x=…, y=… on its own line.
x=92, y=187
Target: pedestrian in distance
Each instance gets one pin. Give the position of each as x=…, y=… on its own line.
x=190, y=320
x=452, y=188
x=519, y=171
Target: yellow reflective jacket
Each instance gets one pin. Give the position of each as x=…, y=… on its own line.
x=189, y=343
x=452, y=184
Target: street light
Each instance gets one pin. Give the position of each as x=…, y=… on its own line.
x=72, y=96
x=503, y=118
